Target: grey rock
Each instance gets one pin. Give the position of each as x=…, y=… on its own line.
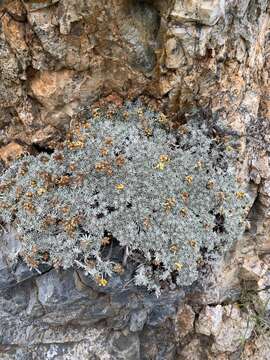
x=137, y=320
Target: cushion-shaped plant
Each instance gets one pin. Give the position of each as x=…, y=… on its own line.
x=122, y=178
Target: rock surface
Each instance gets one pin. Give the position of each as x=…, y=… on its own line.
x=57, y=58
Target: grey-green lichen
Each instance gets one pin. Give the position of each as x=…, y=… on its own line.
x=122, y=178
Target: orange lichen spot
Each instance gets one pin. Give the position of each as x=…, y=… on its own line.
x=19, y=192
x=29, y=207
x=164, y=158
x=185, y=196
x=72, y=167
x=41, y=191
x=104, y=151
x=86, y=125
x=31, y=262
x=58, y=157
x=118, y=268
x=120, y=160
x=63, y=180
x=108, y=141
x=70, y=225
x=106, y=240
x=148, y=131
x=104, y=166
x=169, y=204
x=189, y=179
x=74, y=145
x=210, y=184
x=65, y=209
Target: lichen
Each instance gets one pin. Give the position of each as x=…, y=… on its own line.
x=123, y=178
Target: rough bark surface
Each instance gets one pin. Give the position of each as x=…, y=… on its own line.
x=58, y=57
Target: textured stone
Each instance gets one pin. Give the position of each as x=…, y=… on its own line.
x=204, y=12
x=227, y=325
x=211, y=56
x=210, y=320
x=11, y=152
x=184, y=321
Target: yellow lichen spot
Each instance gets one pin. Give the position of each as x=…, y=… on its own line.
x=229, y=148
x=160, y=166
x=164, y=158
x=178, y=266
x=162, y=118
x=240, y=195
x=120, y=186
x=41, y=191
x=185, y=196
x=189, y=179
x=174, y=248
x=101, y=281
